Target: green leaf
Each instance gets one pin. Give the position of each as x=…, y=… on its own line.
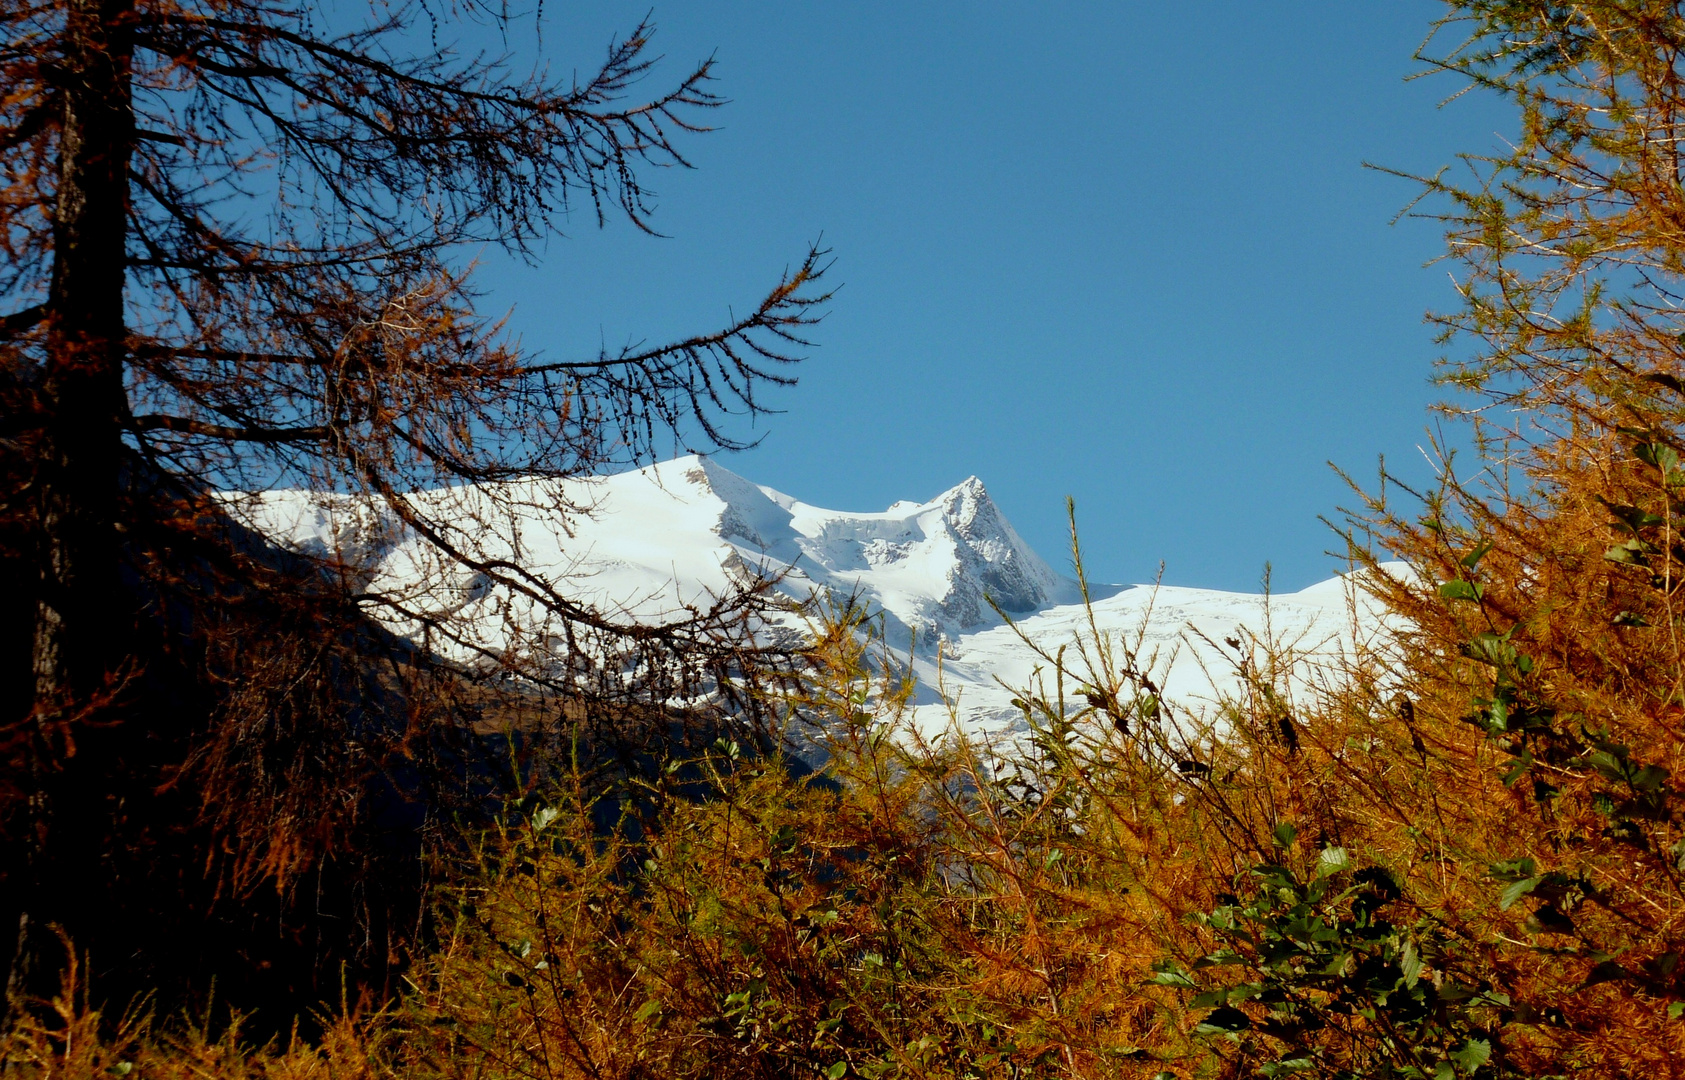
x=1472, y=1054
x=1675, y=1010
x=647, y=1010
x=1662, y=457
x=1612, y=766
x=1458, y=589
x=1245, y=991
x=1632, y=518
x=837, y=1071
x=1284, y=835
x=1223, y=1021
x=1333, y=860
x=1602, y=972
x=1630, y=553
x=1649, y=779
x=1516, y=891
x=1494, y=649
x=543, y=816
x=1410, y=965
x=1472, y=559
x=1512, y=869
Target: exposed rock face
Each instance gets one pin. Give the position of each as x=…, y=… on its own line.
x=993, y=560
x=933, y=567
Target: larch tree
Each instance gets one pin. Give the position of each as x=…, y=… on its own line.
x=233, y=238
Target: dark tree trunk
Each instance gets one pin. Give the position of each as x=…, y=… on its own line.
x=77, y=625
x=82, y=389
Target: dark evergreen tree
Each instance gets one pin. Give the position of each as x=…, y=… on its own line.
x=231, y=231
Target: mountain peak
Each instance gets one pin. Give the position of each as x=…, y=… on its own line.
x=659, y=543
x=966, y=492
x=1002, y=569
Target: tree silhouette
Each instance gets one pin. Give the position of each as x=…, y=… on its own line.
x=233, y=235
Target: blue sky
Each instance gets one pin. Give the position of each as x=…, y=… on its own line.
x=1121, y=251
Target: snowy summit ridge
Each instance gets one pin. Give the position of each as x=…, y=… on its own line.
x=653, y=542
x=931, y=567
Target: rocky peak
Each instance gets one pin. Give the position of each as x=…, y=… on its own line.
x=995, y=559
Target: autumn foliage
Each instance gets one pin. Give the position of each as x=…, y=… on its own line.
x=1459, y=852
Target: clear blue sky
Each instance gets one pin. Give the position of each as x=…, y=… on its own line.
x=1121, y=251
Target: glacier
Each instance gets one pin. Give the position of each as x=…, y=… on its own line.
x=958, y=591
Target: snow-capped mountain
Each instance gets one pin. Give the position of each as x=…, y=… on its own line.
x=656, y=541
x=931, y=567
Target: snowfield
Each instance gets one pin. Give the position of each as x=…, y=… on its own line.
x=654, y=542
